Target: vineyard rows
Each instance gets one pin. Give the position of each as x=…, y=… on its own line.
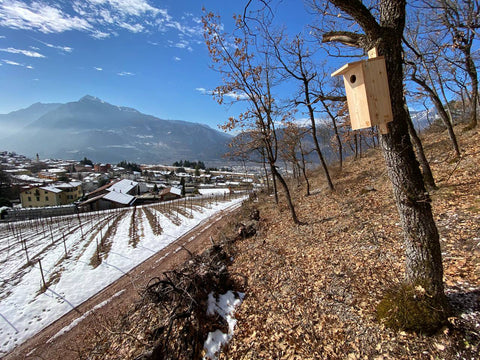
x=51, y=265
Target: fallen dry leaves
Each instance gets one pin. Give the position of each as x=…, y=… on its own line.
x=313, y=289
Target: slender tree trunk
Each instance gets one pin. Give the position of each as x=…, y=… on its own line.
x=317, y=148
x=282, y=181
x=304, y=170
x=264, y=163
x=441, y=112
x=426, y=170
x=472, y=72
x=275, y=189
x=337, y=135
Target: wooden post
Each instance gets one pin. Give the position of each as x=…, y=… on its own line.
x=26, y=251
x=51, y=232
x=98, y=255
x=41, y=272
x=65, y=246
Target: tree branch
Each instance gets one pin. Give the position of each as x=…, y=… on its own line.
x=359, y=12
x=345, y=37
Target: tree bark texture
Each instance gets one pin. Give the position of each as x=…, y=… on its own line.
x=423, y=256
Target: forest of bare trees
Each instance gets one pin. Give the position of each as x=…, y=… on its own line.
x=429, y=60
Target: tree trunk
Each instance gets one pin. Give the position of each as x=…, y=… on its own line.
x=423, y=256
x=280, y=178
x=337, y=135
x=264, y=163
x=426, y=170
x=317, y=148
x=304, y=170
x=472, y=72
x=275, y=190
x=441, y=112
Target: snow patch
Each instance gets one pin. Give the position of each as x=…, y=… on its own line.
x=225, y=307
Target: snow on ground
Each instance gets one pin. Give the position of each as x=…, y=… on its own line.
x=224, y=306
x=213, y=191
x=25, y=309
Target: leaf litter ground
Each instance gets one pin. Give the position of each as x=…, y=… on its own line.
x=313, y=289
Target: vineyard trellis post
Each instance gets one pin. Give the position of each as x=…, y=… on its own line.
x=65, y=246
x=41, y=272
x=51, y=231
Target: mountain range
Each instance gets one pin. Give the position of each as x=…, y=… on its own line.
x=104, y=132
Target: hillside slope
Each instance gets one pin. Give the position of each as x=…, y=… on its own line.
x=313, y=289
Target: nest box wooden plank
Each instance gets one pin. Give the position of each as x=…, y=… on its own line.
x=368, y=95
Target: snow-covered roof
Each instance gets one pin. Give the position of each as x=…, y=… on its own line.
x=171, y=190
x=71, y=184
x=123, y=186
x=55, y=171
x=119, y=197
x=176, y=191
x=51, y=189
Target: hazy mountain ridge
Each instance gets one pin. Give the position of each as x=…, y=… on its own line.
x=14, y=121
x=108, y=133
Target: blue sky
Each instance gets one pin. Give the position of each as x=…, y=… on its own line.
x=145, y=54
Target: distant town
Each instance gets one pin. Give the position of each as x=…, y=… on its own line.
x=31, y=188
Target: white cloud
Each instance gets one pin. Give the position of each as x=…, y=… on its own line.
x=97, y=34
x=98, y=68
x=232, y=95
x=11, y=62
x=182, y=44
x=125, y=73
x=23, y=52
x=136, y=28
x=58, y=47
x=204, y=91
x=100, y=18
x=39, y=16
x=176, y=58
x=236, y=96
x=14, y=63
x=2, y=37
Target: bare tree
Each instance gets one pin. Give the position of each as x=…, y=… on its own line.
x=329, y=102
x=422, y=63
x=295, y=59
x=293, y=150
x=423, y=255
x=247, y=76
x=462, y=20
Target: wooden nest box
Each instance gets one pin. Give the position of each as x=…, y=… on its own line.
x=368, y=95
